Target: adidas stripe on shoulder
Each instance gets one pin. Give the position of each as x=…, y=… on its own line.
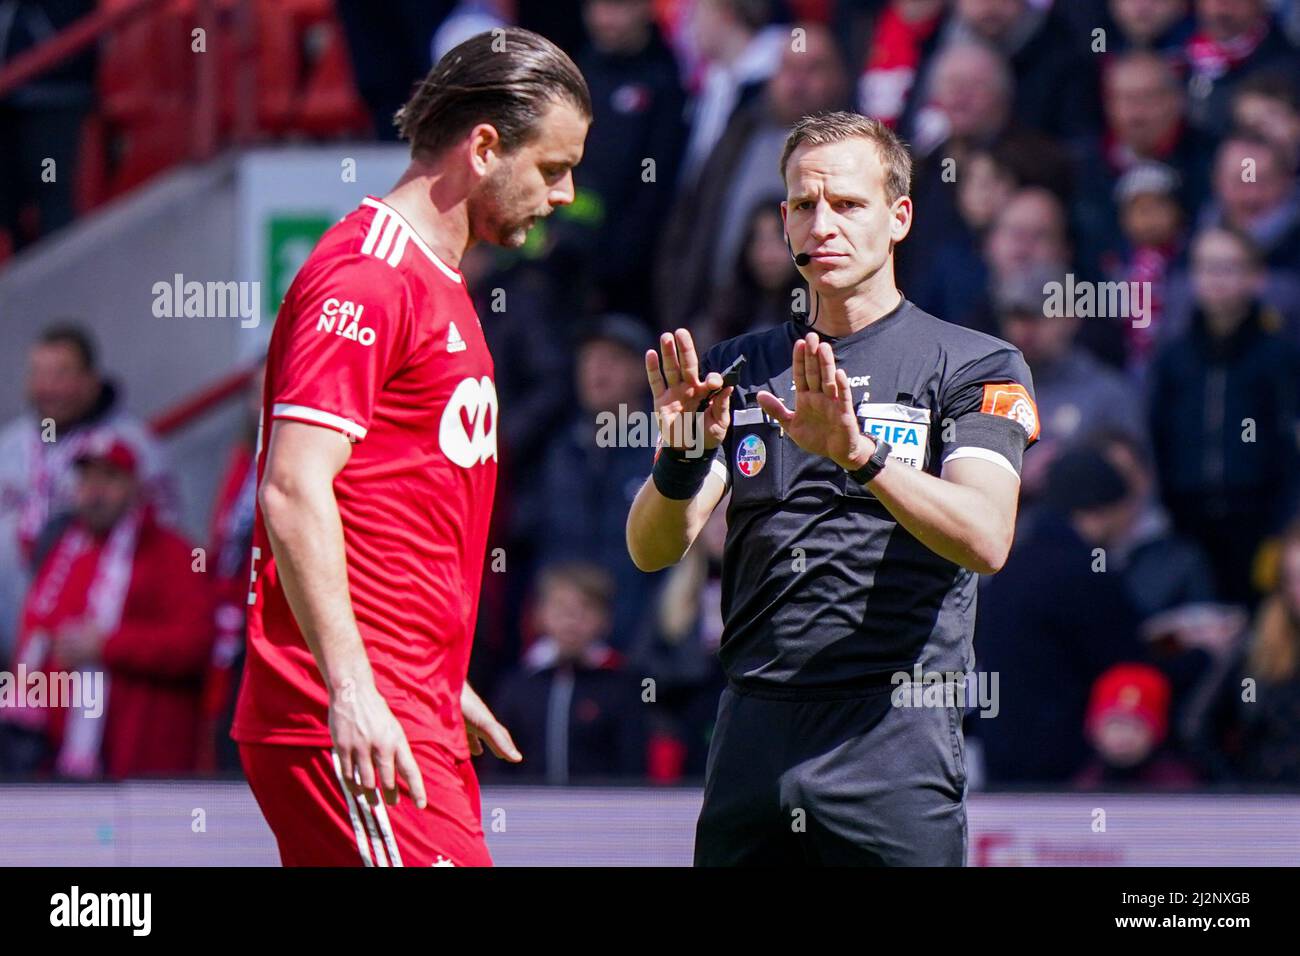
x=389, y=234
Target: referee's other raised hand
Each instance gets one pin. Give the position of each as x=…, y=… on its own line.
x=823, y=421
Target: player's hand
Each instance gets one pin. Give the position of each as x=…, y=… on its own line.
x=678, y=390
x=824, y=421
x=371, y=745
x=481, y=726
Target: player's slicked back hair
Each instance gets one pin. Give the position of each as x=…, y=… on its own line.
x=821, y=129
x=507, y=77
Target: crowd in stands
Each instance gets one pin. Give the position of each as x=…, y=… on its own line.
x=1110, y=185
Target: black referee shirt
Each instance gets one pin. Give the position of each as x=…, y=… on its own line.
x=822, y=590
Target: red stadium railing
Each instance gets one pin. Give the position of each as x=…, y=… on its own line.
x=167, y=94
x=68, y=43
x=197, y=404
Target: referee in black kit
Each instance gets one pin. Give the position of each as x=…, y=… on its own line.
x=873, y=463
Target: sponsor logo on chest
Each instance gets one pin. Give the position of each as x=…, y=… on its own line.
x=467, y=434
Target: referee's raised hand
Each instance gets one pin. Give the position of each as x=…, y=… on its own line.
x=678, y=391
x=823, y=421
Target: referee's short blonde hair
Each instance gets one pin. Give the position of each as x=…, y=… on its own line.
x=819, y=129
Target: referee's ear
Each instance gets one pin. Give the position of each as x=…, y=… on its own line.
x=900, y=219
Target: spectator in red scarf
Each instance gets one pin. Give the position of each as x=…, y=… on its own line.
x=69, y=397
x=120, y=601
x=1146, y=112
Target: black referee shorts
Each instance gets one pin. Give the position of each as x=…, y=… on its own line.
x=853, y=782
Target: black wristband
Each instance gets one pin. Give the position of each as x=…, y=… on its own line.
x=679, y=476
x=875, y=465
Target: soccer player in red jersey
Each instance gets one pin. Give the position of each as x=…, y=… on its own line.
x=377, y=476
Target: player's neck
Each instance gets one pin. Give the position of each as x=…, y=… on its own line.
x=435, y=207
x=844, y=315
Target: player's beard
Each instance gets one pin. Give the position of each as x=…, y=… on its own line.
x=504, y=223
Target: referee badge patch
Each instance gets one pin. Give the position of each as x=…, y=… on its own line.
x=751, y=456
x=904, y=427
x=1012, y=401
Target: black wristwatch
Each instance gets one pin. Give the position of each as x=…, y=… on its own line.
x=875, y=464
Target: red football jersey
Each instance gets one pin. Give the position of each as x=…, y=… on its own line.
x=378, y=338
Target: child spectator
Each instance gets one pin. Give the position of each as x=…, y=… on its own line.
x=1152, y=226
x=1127, y=726
x=573, y=710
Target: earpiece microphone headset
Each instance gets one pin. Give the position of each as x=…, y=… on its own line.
x=802, y=259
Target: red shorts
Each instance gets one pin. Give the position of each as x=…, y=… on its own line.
x=317, y=822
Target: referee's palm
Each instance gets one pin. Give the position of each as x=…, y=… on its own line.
x=678, y=389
